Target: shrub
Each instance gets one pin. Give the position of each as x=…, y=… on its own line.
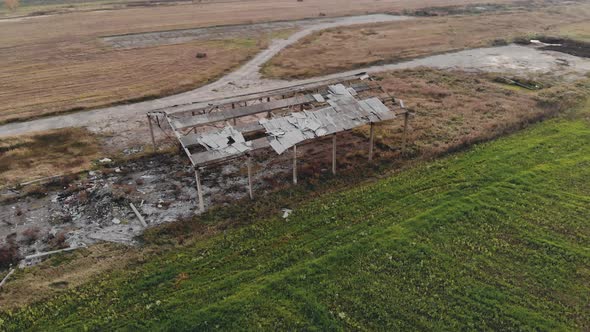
x=9, y=253
x=30, y=235
x=59, y=241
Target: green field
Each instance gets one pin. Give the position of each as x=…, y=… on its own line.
x=495, y=238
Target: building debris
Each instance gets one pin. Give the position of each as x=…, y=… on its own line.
x=538, y=42
x=139, y=216
x=280, y=120
x=48, y=253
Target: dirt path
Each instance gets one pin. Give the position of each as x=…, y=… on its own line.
x=125, y=120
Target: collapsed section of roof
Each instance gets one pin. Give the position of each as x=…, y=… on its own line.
x=336, y=110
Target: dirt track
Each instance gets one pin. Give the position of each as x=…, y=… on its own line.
x=126, y=119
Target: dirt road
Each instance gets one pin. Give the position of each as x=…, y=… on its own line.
x=126, y=119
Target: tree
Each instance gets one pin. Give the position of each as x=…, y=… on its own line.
x=12, y=4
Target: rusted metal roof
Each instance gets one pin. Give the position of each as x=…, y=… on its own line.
x=338, y=109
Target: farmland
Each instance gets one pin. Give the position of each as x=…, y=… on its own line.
x=348, y=48
x=491, y=238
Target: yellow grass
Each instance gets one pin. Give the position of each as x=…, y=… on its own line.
x=43, y=154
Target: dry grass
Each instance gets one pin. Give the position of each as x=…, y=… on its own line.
x=57, y=63
x=578, y=31
x=45, y=154
x=342, y=49
x=63, y=272
x=455, y=109
x=68, y=76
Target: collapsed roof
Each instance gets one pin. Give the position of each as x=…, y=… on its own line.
x=335, y=110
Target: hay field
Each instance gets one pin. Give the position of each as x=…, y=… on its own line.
x=348, y=48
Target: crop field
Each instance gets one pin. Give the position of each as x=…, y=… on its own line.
x=341, y=49
x=492, y=238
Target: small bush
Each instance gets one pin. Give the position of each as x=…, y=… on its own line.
x=58, y=241
x=30, y=235
x=9, y=253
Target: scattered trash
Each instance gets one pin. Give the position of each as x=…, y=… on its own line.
x=562, y=62
x=286, y=213
x=117, y=170
x=105, y=160
x=141, y=220
x=116, y=221
x=538, y=42
x=134, y=150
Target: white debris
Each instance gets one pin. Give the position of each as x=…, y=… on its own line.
x=286, y=213
x=105, y=160
x=116, y=221
x=538, y=42
x=117, y=170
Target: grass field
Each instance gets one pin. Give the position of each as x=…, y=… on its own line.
x=495, y=238
x=341, y=49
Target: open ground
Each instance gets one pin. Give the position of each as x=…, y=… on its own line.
x=491, y=236
x=341, y=49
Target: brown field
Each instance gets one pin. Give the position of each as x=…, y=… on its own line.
x=342, y=49
x=57, y=63
x=73, y=77
x=56, y=152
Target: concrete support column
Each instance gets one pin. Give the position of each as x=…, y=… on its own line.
x=152, y=131
x=295, y=164
x=199, y=191
x=334, y=154
x=371, y=141
x=249, y=164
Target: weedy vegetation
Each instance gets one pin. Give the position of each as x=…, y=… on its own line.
x=43, y=154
